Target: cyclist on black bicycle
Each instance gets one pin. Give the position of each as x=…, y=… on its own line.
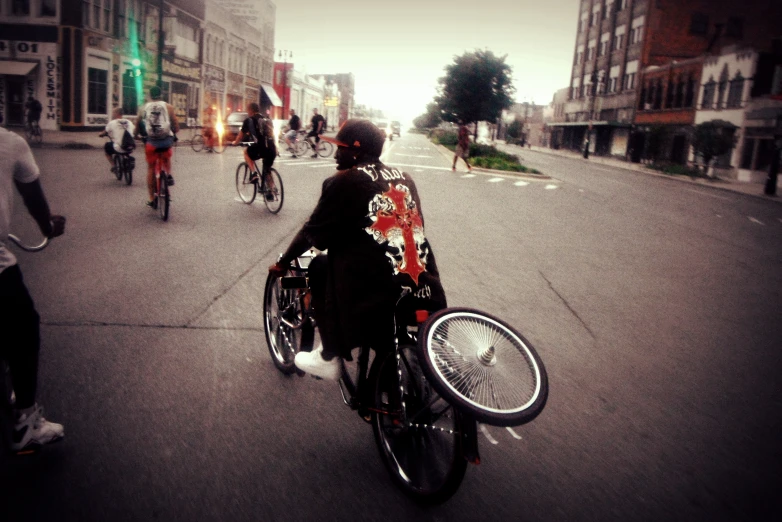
x=318, y=127
x=158, y=124
x=19, y=322
x=115, y=130
x=294, y=124
x=369, y=218
x=259, y=130
x=34, y=109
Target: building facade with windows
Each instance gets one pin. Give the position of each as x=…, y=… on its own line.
x=29, y=60
x=617, y=39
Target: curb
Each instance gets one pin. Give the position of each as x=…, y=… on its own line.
x=448, y=154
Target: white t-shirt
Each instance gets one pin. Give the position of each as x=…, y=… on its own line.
x=116, y=129
x=16, y=164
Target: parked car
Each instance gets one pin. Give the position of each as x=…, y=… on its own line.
x=396, y=128
x=233, y=124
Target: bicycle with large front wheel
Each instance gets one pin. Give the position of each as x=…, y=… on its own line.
x=248, y=184
x=424, y=398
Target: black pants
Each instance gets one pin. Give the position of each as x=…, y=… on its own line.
x=20, y=327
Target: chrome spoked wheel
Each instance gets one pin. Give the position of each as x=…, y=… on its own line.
x=287, y=329
x=245, y=186
x=163, y=197
x=118, y=166
x=483, y=366
x=325, y=149
x=197, y=143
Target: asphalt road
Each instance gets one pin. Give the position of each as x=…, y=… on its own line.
x=655, y=306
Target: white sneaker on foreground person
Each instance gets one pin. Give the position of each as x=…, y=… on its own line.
x=314, y=364
x=32, y=430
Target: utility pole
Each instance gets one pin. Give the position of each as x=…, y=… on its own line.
x=160, y=44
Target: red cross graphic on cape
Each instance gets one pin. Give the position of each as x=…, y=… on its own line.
x=405, y=219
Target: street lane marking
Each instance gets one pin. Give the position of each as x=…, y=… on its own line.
x=412, y=155
x=704, y=193
x=759, y=222
x=420, y=166
x=551, y=187
x=521, y=183
x=384, y=156
x=495, y=180
x=469, y=176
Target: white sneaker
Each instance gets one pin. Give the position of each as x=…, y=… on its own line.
x=314, y=364
x=32, y=431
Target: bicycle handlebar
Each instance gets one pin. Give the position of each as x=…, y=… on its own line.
x=35, y=248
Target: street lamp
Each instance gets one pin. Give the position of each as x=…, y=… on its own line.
x=284, y=54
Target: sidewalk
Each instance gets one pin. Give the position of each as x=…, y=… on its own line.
x=67, y=140
x=748, y=189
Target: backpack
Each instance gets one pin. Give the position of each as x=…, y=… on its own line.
x=156, y=121
x=128, y=143
x=260, y=130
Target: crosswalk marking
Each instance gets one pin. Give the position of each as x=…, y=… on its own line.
x=759, y=222
x=469, y=176
x=551, y=187
x=496, y=180
x=521, y=183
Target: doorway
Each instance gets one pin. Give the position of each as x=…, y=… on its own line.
x=15, y=85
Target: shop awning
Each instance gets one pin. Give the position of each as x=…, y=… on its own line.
x=16, y=68
x=272, y=94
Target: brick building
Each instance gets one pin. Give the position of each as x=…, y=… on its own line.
x=618, y=39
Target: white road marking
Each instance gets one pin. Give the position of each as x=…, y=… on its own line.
x=515, y=435
x=425, y=167
x=521, y=183
x=418, y=170
x=487, y=434
x=759, y=222
x=704, y=193
x=551, y=187
x=469, y=176
x=780, y=220
x=412, y=155
x=719, y=215
x=495, y=180
x=384, y=156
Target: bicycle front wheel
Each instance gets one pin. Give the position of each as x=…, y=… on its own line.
x=245, y=186
x=273, y=192
x=325, y=149
x=301, y=147
x=422, y=449
x=287, y=328
x=164, y=197
x=128, y=170
x=483, y=366
x=197, y=143
x=218, y=145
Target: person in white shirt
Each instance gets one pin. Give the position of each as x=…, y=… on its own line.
x=19, y=321
x=116, y=130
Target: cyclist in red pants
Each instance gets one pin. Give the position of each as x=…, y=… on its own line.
x=157, y=122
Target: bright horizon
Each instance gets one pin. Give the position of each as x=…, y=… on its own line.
x=397, y=50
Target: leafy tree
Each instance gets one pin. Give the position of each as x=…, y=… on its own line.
x=477, y=86
x=710, y=139
x=515, y=129
x=431, y=118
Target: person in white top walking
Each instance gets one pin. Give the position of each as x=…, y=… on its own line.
x=116, y=131
x=19, y=321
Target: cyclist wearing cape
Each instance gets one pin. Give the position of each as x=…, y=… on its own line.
x=369, y=218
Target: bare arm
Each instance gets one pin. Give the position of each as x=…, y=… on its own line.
x=35, y=201
x=173, y=118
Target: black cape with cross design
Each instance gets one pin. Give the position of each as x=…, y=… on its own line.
x=370, y=220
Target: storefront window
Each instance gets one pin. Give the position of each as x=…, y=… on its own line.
x=129, y=95
x=20, y=7
x=48, y=7
x=97, y=91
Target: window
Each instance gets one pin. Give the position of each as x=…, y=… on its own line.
x=679, y=95
x=591, y=49
x=48, y=7
x=708, y=94
x=20, y=7
x=746, y=153
x=735, y=92
x=669, y=95
x=603, y=49
x=658, y=95
x=734, y=27
x=96, y=8
x=107, y=15
x=97, y=90
x=689, y=93
x=628, y=82
x=636, y=30
x=613, y=79
x=621, y=5
x=722, y=88
x=699, y=23
x=618, y=41
x=584, y=24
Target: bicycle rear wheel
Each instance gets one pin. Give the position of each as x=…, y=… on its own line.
x=163, y=197
x=325, y=149
x=197, y=143
x=128, y=169
x=287, y=329
x=244, y=186
x=273, y=191
x=218, y=145
x=422, y=452
x=301, y=147
x=483, y=366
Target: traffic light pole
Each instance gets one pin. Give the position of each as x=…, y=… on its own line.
x=160, y=44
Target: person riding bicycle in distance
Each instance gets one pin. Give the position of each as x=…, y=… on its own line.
x=369, y=218
x=294, y=124
x=157, y=122
x=257, y=129
x=116, y=130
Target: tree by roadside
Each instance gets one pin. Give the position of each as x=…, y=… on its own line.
x=431, y=118
x=477, y=86
x=710, y=140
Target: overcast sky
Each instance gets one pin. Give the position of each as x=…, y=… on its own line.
x=397, y=49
